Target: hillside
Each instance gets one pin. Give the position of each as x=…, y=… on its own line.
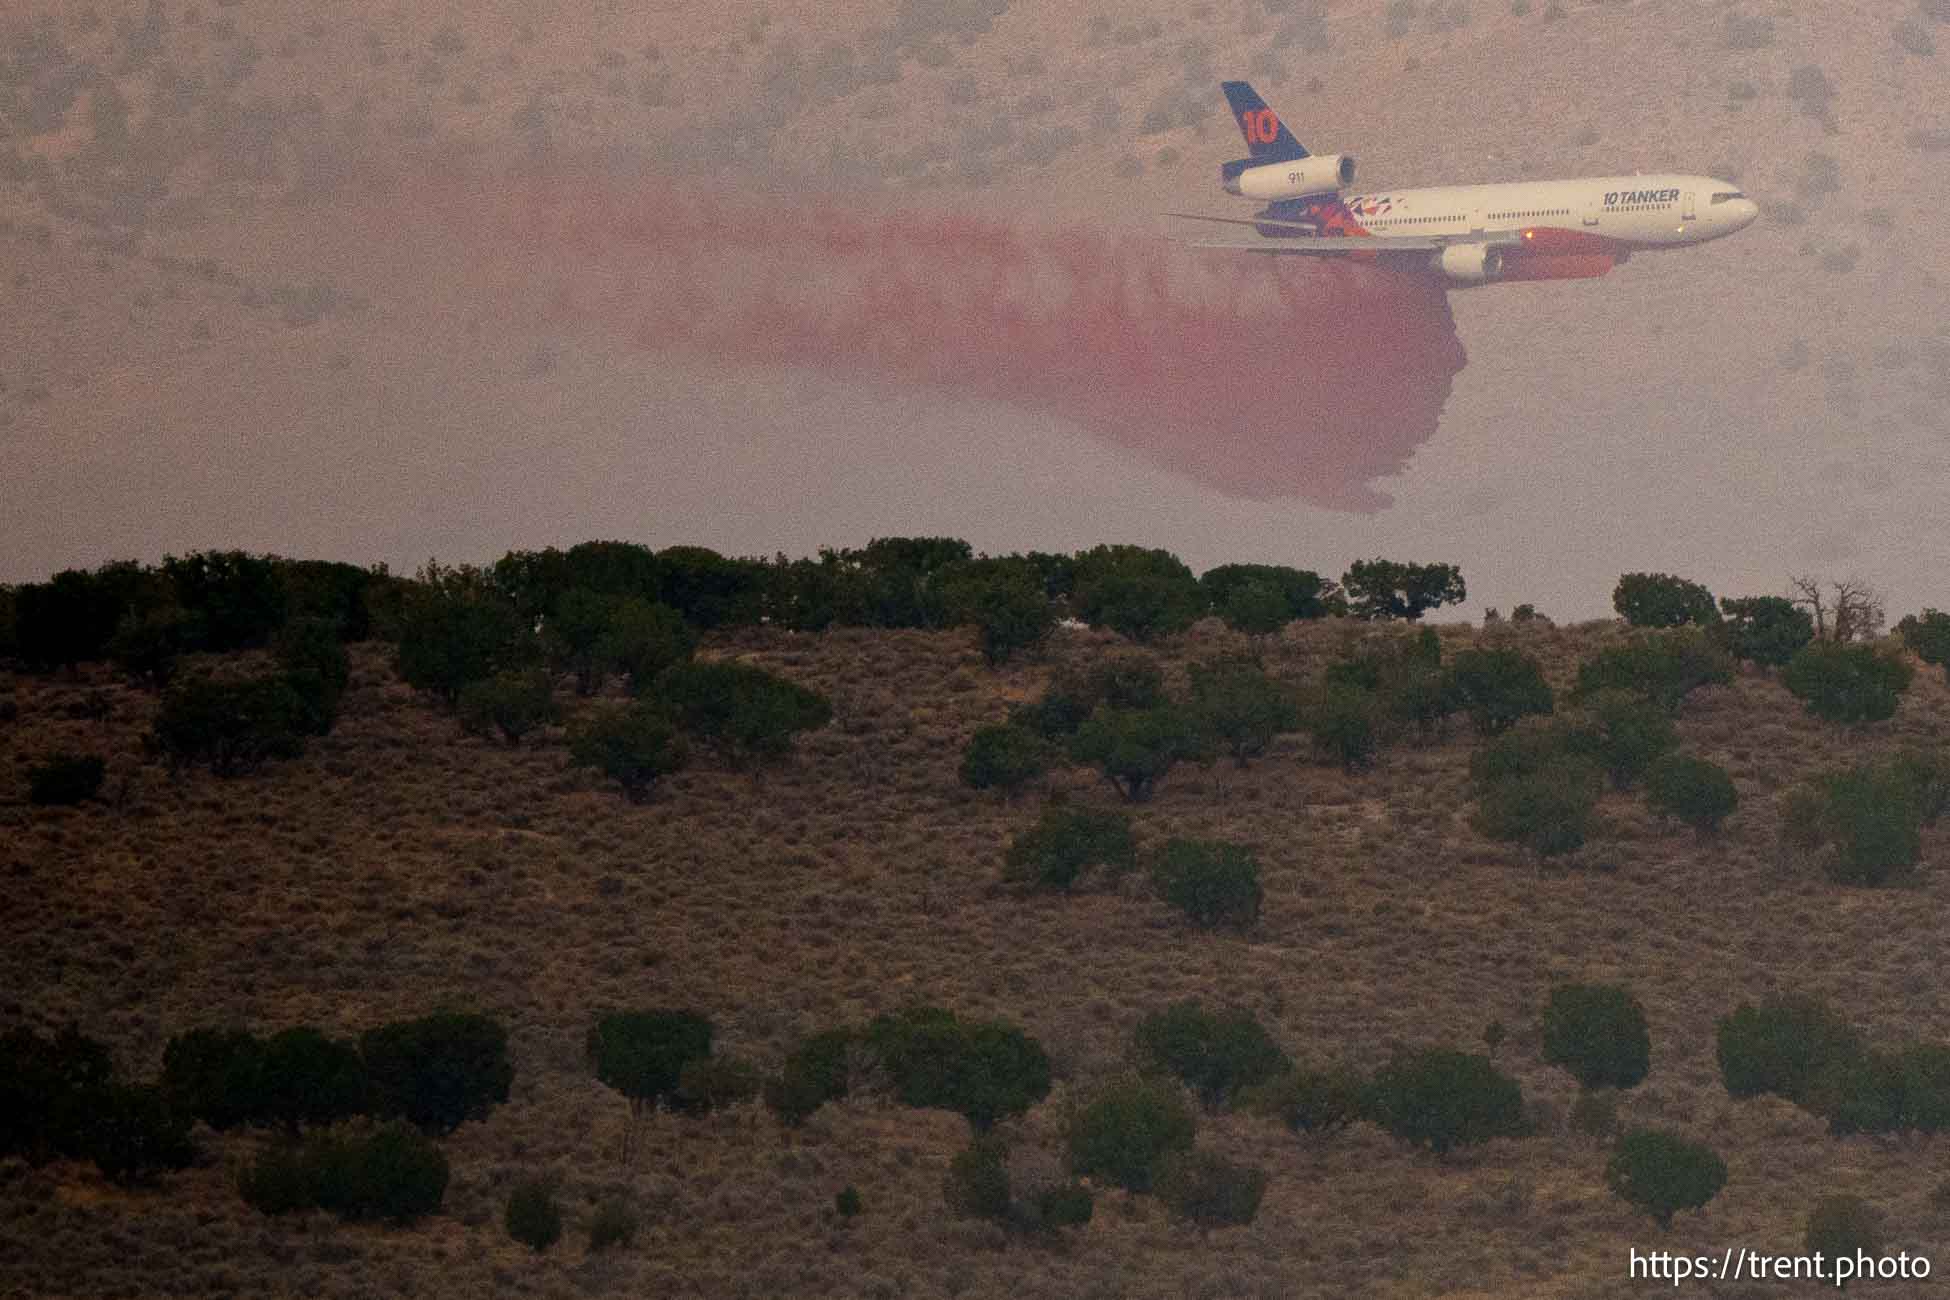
x=237, y=321
x=399, y=866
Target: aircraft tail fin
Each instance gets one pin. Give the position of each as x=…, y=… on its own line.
x=1267, y=138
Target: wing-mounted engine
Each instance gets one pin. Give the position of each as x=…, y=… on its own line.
x=1292, y=178
x=1468, y=263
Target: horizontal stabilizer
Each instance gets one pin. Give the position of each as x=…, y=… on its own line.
x=1307, y=226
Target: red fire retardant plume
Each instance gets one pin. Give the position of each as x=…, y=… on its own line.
x=1261, y=377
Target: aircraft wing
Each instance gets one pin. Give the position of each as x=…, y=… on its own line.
x=1344, y=246
x=1322, y=247
x=1298, y=227
x=1308, y=242
x=1245, y=221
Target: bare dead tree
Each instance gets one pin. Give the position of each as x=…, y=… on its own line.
x=1806, y=592
x=1858, y=610
x=1848, y=609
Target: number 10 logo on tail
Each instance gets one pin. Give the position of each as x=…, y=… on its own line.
x=1261, y=126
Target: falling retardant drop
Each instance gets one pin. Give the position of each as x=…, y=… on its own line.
x=1261, y=377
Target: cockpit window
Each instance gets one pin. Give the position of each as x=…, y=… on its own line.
x=1724, y=195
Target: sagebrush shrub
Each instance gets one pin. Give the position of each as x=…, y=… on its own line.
x=234, y=726
x=977, y=1183
x=134, y=1132
x=330, y=592
x=1597, y=1032
x=72, y=616
x=448, y=639
x=147, y=644
x=1445, y=1099
x=640, y=639
x=311, y=1079
x=1665, y=667
x=1345, y=722
x=1308, y=1101
x=1126, y=681
x=1204, y=1188
x=1123, y=1130
x=1841, y=1226
x=1064, y=1205
x=709, y=1083
x=1927, y=636
x=1873, y=815
x=1215, y=1053
x=573, y=631
x=1538, y=745
x=642, y=1054
x=984, y=1069
x=1143, y=594
x=1692, y=790
x=217, y=1076
x=711, y=590
x=1496, y=688
x=1860, y=1094
x=744, y=712
x=393, y=1172
x=439, y=1070
x=46, y=1084
x=1550, y=811
x=1261, y=597
x=234, y=599
x=1388, y=589
x=1004, y=758
x=1782, y=1046
x=793, y=1095
x=1926, y=772
x=1135, y=748
x=1234, y=701
x=1005, y=600
x=533, y=1218
x=1211, y=881
x=1063, y=707
x=1847, y=682
x=1255, y=608
x=1662, y=1173
x=816, y=1072
x=512, y=704
x=635, y=746
x=1067, y=842
x=1661, y=600
x=1767, y=630
x=1926, y=1087
x=318, y=670
x=1624, y=732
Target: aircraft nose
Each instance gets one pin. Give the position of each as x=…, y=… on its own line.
x=1745, y=214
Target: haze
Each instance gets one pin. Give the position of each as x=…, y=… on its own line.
x=326, y=283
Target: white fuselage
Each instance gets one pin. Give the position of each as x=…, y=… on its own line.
x=1650, y=211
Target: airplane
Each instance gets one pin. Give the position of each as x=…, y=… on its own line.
x=1468, y=234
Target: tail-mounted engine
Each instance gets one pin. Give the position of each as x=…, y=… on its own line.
x=1292, y=178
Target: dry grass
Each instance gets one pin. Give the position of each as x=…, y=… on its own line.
x=401, y=865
